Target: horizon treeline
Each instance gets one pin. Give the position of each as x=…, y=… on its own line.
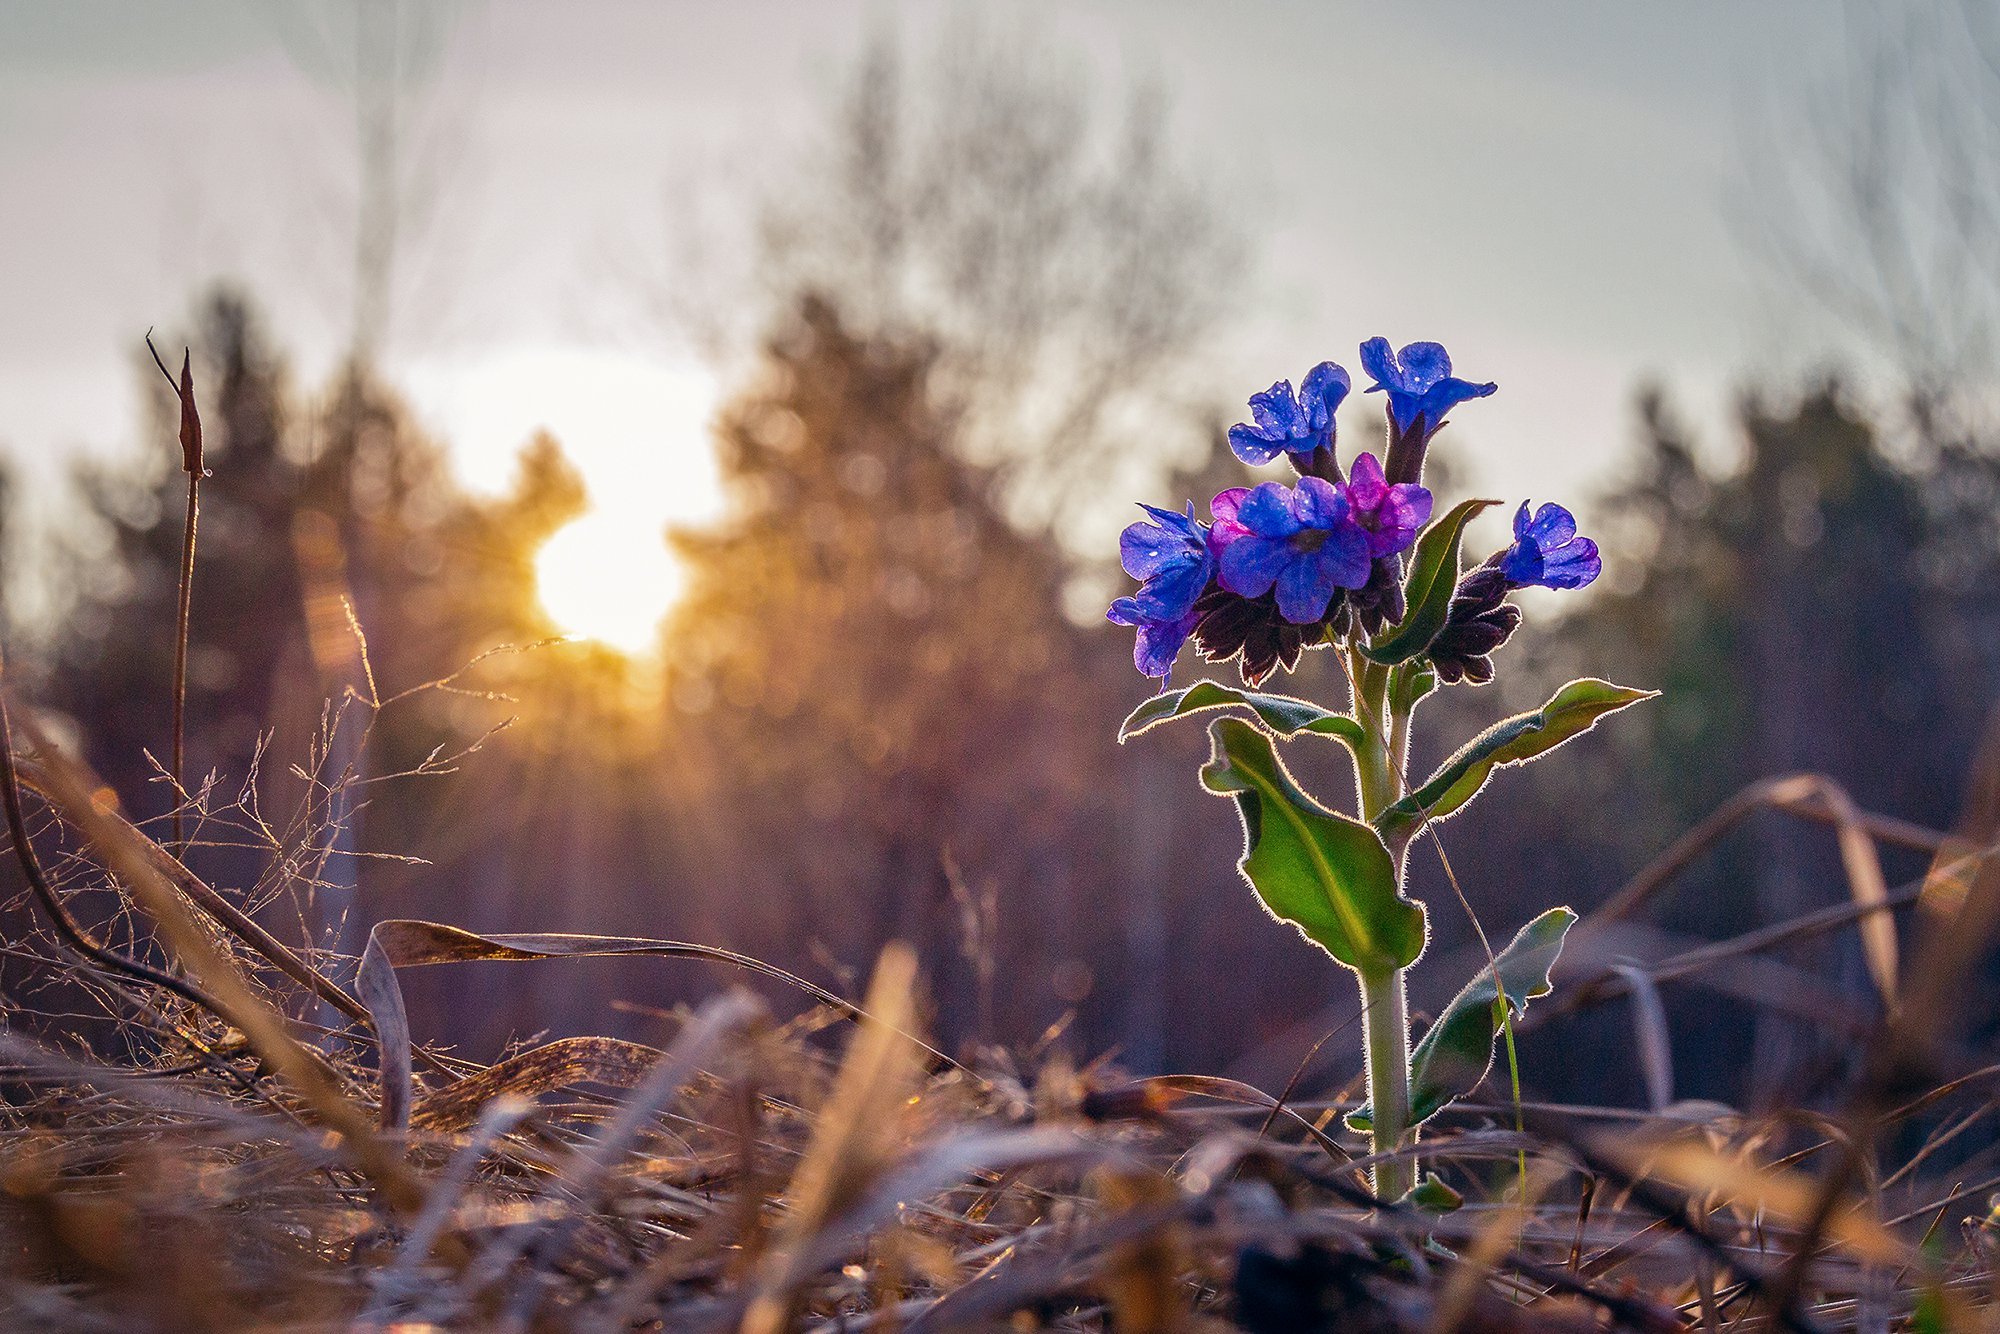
x=878, y=723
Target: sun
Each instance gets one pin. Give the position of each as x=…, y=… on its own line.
x=608, y=579
x=637, y=428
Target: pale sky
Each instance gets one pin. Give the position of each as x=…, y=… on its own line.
x=1542, y=186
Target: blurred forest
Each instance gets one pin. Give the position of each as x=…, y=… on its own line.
x=882, y=714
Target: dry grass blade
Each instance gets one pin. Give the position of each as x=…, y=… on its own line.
x=1142, y=1276
x=402, y=943
x=499, y=1117
x=930, y=1172
x=854, y=1132
x=18, y=1057
x=1801, y=795
x=1649, y=1022
x=1863, y=865
x=219, y=909
x=1813, y=797
x=1249, y=1095
x=586, y=1170
x=124, y=854
x=1784, y=1196
x=539, y=1070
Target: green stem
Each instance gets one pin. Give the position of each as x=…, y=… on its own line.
x=1379, y=781
x=1388, y=1034
x=1399, y=745
x=1374, y=777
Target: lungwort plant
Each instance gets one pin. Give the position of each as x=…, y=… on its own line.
x=1359, y=561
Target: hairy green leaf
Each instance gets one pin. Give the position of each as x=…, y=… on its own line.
x=1458, y=1050
x=1433, y=576
x=1570, y=712
x=1433, y=1196
x=1411, y=684
x=1327, y=874
x=1283, y=714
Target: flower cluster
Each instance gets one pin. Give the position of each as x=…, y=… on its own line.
x=1278, y=569
x=1367, y=560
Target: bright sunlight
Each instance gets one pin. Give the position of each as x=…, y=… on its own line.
x=637, y=429
x=604, y=579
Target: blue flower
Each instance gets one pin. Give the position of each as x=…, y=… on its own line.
x=1419, y=383
x=1547, y=552
x=1288, y=423
x=1390, y=515
x=1171, y=556
x=1160, y=638
x=1302, y=541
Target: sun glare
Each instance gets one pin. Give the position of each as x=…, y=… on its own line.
x=607, y=580
x=637, y=429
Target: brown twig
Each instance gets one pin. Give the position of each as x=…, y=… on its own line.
x=191, y=463
x=224, y=987
x=222, y=912
x=1906, y=1047
x=71, y=930
x=1807, y=796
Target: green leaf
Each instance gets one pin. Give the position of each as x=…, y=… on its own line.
x=1433, y=576
x=1411, y=684
x=1284, y=715
x=1570, y=712
x=1327, y=874
x=1458, y=1050
x=1433, y=1196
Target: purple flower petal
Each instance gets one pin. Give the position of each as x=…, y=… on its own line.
x=1424, y=366
x=1276, y=411
x=1391, y=515
x=1548, y=553
x=1575, y=565
x=1325, y=386
x=1304, y=589
x=1145, y=548
x=1366, y=487
x=1346, y=556
x=1268, y=511
x=1418, y=381
x=1251, y=564
x=1379, y=363
x=1286, y=421
x=1225, y=528
x=1170, y=593
x=1159, y=643
x=1552, y=527
x=1226, y=503
x=1413, y=503
x=1251, y=447
x=1318, y=503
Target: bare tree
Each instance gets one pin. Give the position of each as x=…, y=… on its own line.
x=383, y=58
x=1882, y=209
x=1061, y=262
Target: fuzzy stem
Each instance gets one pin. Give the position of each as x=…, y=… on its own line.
x=1378, y=781
x=1399, y=748
x=1388, y=1035
x=1374, y=779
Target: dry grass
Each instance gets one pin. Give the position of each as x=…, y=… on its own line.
x=259, y=1146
